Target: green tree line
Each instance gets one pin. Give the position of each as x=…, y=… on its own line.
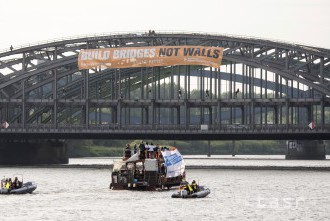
x=115, y=148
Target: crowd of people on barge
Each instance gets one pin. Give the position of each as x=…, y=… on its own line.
x=8, y=184
x=145, y=150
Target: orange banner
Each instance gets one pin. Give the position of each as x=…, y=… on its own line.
x=150, y=57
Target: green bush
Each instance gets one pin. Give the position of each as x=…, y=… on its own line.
x=100, y=148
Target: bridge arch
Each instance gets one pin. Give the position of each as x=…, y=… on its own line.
x=41, y=85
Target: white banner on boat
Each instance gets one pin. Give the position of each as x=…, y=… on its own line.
x=133, y=158
x=174, y=163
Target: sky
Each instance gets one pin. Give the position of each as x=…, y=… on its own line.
x=299, y=21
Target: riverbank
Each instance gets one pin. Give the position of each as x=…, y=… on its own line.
x=215, y=162
x=188, y=167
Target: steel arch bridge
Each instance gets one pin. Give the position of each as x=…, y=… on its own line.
x=263, y=90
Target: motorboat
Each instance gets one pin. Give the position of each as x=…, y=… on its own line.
x=162, y=169
x=27, y=187
x=201, y=193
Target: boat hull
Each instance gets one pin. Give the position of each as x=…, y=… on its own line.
x=200, y=194
x=27, y=187
x=145, y=185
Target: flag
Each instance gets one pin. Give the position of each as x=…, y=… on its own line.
x=311, y=125
x=174, y=163
x=5, y=124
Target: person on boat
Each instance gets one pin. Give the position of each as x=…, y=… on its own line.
x=3, y=182
x=17, y=183
x=156, y=150
x=127, y=151
x=142, y=150
x=189, y=189
x=185, y=186
x=194, y=186
x=7, y=185
x=151, y=151
x=13, y=185
x=147, y=150
x=10, y=182
x=163, y=169
x=135, y=148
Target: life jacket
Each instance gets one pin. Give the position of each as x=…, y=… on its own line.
x=189, y=187
x=7, y=185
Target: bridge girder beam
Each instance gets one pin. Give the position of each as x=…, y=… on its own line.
x=31, y=69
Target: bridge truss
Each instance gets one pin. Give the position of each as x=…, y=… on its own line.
x=263, y=90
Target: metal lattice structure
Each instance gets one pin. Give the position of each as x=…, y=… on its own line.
x=264, y=90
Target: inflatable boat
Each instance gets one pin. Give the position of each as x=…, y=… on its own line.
x=201, y=193
x=27, y=187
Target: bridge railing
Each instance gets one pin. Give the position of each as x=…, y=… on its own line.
x=144, y=33
x=224, y=128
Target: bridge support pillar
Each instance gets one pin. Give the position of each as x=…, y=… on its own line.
x=305, y=150
x=28, y=152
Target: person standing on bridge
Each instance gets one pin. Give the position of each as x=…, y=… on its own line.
x=11, y=48
x=236, y=92
x=207, y=93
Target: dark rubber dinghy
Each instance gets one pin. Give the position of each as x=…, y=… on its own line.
x=27, y=187
x=201, y=193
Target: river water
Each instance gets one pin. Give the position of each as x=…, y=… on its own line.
x=83, y=194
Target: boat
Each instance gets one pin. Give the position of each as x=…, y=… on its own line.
x=27, y=187
x=201, y=193
x=161, y=169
